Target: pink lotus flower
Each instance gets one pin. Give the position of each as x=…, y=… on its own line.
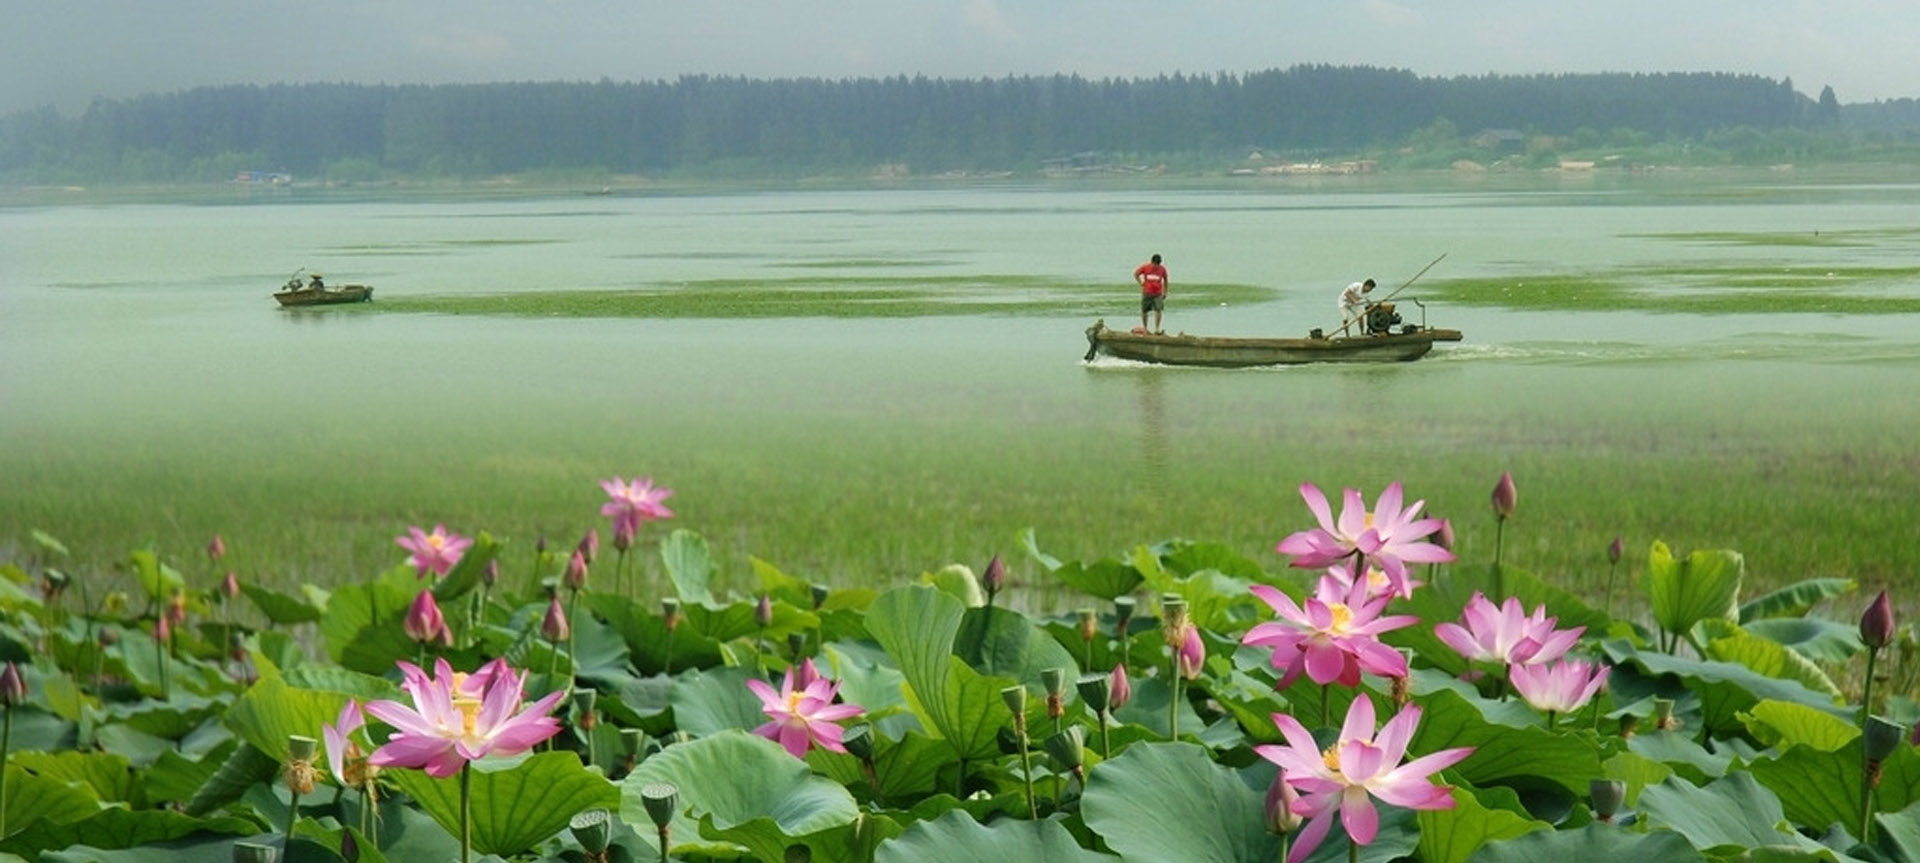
x=1119, y=689
x=1506, y=635
x=344, y=755
x=1564, y=687
x=1332, y=639
x=634, y=503
x=1192, y=654
x=805, y=717
x=1390, y=536
x=437, y=552
x=459, y=718
x=1361, y=766
x=1379, y=583
x=425, y=623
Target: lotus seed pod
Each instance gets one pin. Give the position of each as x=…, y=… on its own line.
x=662, y=801
x=1088, y=623
x=254, y=852
x=1016, y=699
x=1123, y=607
x=593, y=829
x=818, y=593
x=1094, y=689
x=859, y=741
x=1069, y=746
x=798, y=853
x=1606, y=796
x=300, y=748
x=1882, y=737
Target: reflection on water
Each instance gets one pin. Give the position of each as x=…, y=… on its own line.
x=1150, y=388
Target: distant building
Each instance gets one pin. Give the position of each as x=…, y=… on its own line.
x=271, y=178
x=1501, y=140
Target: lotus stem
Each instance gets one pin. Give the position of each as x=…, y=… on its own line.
x=6, y=745
x=1868, y=768
x=466, y=814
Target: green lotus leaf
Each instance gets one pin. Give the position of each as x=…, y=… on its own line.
x=1636, y=770
x=1784, y=724
x=689, y=565
x=1898, y=833
x=1725, y=689
x=1452, y=835
x=743, y=789
x=1794, y=600
x=916, y=626
x=901, y=768
x=1169, y=801
x=956, y=838
x=365, y=624
x=1503, y=754
x=465, y=575
x=1595, y=843
x=1811, y=637
x=1817, y=788
x=1684, y=755
x=341, y=681
x=324, y=840
x=1769, y=658
x=1006, y=643
x=157, y=579
x=281, y=608
x=109, y=775
x=1682, y=592
x=31, y=799
x=117, y=828
x=245, y=768
x=647, y=637
x=174, y=777
x=271, y=710
x=516, y=804
x=1732, y=812
x=709, y=702
x=958, y=581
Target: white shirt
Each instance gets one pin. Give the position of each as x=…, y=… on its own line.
x=1354, y=296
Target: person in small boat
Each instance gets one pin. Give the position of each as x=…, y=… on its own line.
x=1353, y=306
x=1152, y=278
x=314, y=283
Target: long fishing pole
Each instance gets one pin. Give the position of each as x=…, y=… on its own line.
x=1396, y=292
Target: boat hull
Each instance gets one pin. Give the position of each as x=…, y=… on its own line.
x=1229, y=353
x=326, y=296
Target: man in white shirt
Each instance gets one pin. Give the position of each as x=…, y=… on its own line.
x=1353, y=305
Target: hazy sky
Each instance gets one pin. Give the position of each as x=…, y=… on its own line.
x=67, y=52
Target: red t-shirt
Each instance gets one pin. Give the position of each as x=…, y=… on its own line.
x=1152, y=278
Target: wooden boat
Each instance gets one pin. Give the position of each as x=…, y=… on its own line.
x=1410, y=342
x=309, y=296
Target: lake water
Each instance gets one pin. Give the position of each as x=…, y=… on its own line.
x=150, y=388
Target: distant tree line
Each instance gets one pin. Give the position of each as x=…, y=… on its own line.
x=700, y=125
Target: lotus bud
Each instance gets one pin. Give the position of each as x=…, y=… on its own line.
x=108, y=636
x=818, y=593
x=1279, y=806
x=589, y=547
x=424, y=622
x=176, y=610
x=763, y=611
x=797, y=853
x=994, y=578
x=1614, y=550
x=859, y=741
x=1606, y=796
x=1054, y=680
x=217, y=548
x=53, y=585
x=576, y=576
x=163, y=630
x=593, y=829
x=1089, y=624
x=230, y=586
x=349, y=847
x=1444, y=536
x=1882, y=737
x=1913, y=739
x=1122, y=614
x=540, y=544
x=554, y=627
x=1120, y=691
x=1629, y=725
x=1193, y=653
x=13, y=687
x=623, y=534
x=255, y=852
x=1876, y=625
x=796, y=642
x=804, y=673
x=491, y=575
x=670, y=613
x=1095, y=689
x=1069, y=747
x=662, y=802
x=1504, y=496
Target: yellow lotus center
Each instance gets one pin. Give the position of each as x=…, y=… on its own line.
x=1376, y=578
x=1342, y=617
x=437, y=541
x=793, y=701
x=469, y=711
x=1331, y=758
x=1368, y=524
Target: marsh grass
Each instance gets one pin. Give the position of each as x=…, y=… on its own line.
x=838, y=296
x=1698, y=290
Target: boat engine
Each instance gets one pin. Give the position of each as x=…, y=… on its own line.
x=1381, y=318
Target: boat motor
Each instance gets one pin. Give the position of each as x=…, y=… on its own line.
x=1381, y=318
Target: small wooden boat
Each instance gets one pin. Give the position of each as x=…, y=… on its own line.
x=298, y=294
x=1411, y=342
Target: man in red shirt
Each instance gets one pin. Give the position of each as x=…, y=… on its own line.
x=1153, y=292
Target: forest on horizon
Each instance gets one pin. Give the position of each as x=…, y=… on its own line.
x=721, y=127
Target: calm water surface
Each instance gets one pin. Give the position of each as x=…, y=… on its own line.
x=141, y=339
